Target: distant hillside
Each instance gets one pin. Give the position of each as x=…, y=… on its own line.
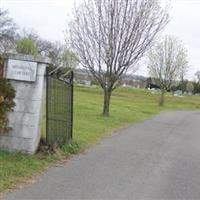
x=127, y=77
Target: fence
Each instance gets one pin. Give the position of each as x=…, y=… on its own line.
x=59, y=109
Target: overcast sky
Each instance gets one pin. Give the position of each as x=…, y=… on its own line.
x=49, y=19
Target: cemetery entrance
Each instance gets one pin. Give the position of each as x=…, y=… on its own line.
x=59, y=109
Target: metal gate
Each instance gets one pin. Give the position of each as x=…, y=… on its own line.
x=59, y=109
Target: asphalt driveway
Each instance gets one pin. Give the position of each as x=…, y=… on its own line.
x=156, y=159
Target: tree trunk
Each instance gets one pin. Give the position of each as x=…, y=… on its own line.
x=1, y=66
x=162, y=98
x=106, y=105
x=182, y=87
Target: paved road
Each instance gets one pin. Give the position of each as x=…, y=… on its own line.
x=156, y=159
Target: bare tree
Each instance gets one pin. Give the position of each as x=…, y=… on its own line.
x=60, y=55
x=183, y=60
x=44, y=46
x=55, y=52
x=7, y=32
x=111, y=36
x=166, y=63
x=190, y=87
x=197, y=74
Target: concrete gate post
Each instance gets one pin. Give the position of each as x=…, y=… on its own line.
x=27, y=75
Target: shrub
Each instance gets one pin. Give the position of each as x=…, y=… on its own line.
x=190, y=87
x=1, y=66
x=27, y=46
x=7, y=94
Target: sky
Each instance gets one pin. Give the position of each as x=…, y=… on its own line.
x=49, y=18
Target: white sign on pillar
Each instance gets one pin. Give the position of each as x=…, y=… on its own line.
x=21, y=70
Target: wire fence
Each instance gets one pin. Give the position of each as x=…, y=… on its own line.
x=59, y=109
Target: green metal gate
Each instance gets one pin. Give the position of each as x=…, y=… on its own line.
x=59, y=109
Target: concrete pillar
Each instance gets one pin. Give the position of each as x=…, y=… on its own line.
x=27, y=75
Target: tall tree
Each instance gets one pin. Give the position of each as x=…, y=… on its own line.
x=190, y=87
x=43, y=46
x=197, y=74
x=26, y=46
x=7, y=32
x=69, y=59
x=183, y=60
x=165, y=63
x=111, y=36
x=61, y=56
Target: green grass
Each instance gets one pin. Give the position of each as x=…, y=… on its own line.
x=16, y=168
x=127, y=106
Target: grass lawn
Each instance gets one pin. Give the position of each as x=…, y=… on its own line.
x=127, y=106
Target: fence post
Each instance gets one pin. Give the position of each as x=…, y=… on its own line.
x=47, y=85
x=72, y=102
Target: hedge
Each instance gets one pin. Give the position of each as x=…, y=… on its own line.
x=7, y=95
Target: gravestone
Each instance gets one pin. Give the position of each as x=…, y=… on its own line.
x=27, y=76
